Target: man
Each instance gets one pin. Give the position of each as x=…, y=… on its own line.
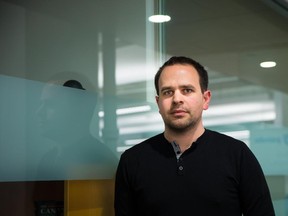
x=188, y=169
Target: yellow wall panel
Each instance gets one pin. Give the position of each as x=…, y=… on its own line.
x=89, y=197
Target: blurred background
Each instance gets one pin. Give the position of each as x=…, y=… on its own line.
x=114, y=51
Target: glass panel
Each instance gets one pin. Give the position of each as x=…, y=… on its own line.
x=114, y=52
x=53, y=139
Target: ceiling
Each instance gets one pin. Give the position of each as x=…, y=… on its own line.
x=228, y=36
x=232, y=37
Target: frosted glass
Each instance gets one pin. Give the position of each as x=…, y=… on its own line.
x=45, y=133
x=271, y=149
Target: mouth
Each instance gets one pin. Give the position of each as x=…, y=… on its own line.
x=178, y=112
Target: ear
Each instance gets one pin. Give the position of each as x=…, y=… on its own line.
x=157, y=99
x=207, y=99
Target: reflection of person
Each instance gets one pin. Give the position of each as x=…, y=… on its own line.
x=188, y=169
x=64, y=117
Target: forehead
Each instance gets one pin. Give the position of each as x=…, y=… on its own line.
x=184, y=74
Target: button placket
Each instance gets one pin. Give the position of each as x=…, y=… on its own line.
x=180, y=166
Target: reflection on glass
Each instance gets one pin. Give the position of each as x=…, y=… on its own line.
x=56, y=139
x=64, y=117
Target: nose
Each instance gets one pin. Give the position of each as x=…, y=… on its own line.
x=177, y=97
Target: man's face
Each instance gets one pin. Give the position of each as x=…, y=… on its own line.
x=55, y=112
x=180, y=99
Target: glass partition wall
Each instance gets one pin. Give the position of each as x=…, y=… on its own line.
x=76, y=90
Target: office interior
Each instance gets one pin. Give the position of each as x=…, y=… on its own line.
x=114, y=50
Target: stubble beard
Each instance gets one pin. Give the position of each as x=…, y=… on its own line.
x=180, y=124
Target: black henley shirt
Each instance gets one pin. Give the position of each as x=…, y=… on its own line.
x=217, y=176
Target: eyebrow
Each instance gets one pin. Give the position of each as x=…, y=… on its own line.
x=188, y=86
x=164, y=88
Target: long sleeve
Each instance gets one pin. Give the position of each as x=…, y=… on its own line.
x=123, y=203
x=254, y=192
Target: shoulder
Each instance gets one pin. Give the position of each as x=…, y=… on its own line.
x=145, y=146
x=222, y=139
x=230, y=152
x=147, y=151
x=224, y=144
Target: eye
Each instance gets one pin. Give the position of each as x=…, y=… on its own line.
x=167, y=92
x=187, y=90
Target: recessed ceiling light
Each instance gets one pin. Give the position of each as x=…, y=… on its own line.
x=268, y=64
x=159, y=18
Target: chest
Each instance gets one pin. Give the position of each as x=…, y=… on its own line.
x=191, y=180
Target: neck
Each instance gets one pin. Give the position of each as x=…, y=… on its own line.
x=184, y=139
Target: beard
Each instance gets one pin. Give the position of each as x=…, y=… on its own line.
x=181, y=124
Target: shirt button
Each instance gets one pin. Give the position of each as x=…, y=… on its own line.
x=180, y=168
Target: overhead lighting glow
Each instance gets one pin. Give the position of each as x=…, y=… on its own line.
x=159, y=18
x=129, y=110
x=268, y=64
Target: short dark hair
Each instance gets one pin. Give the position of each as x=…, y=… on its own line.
x=203, y=75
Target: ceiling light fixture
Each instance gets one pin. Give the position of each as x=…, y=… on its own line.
x=268, y=64
x=159, y=18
